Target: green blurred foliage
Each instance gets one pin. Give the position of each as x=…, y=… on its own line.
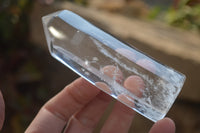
x=183, y=16
x=186, y=17
x=14, y=16
x=154, y=12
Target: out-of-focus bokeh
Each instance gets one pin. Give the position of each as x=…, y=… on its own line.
x=168, y=30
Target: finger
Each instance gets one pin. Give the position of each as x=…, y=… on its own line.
x=119, y=120
x=113, y=72
x=165, y=125
x=46, y=122
x=127, y=53
x=54, y=114
x=121, y=117
x=147, y=64
x=2, y=110
x=135, y=85
x=86, y=120
x=104, y=87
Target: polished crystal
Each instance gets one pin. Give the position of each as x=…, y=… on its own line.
x=87, y=50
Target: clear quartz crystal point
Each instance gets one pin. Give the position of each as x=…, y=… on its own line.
x=87, y=50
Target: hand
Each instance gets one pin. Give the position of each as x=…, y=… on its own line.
x=80, y=105
x=2, y=110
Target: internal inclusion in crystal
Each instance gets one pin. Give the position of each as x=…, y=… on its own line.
x=86, y=50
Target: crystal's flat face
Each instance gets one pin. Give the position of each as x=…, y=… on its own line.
x=123, y=72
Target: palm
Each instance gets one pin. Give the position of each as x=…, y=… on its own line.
x=80, y=105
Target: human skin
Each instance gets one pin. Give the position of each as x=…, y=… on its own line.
x=2, y=110
x=80, y=105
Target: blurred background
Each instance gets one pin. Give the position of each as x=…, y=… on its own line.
x=168, y=30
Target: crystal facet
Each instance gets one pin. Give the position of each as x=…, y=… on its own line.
x=106, y=62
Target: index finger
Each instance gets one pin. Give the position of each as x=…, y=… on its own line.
x=55, y=113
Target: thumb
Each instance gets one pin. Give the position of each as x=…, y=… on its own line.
x=165, y=125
